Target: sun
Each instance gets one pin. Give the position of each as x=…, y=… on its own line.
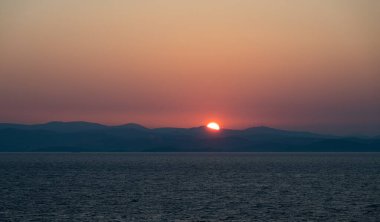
x=213, y=126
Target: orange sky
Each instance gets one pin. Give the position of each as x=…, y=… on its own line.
x=307, y=65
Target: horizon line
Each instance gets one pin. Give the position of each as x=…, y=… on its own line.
x=161, y=127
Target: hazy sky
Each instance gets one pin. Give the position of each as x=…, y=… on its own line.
x=306, y=65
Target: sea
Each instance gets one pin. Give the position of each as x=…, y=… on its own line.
x=189, y=187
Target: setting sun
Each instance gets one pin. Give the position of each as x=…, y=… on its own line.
x=213, y=126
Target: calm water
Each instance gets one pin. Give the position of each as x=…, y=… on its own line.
x=189, y=187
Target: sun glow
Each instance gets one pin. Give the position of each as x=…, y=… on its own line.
x=213, y=126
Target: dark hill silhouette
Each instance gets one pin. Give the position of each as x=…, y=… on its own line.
x=86, y=136
x=57, y=126
x=263, y=130
x=131, y=126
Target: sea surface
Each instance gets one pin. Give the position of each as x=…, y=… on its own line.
x=189, y=187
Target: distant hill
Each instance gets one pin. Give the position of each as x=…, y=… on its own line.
x=132, y=137
x=56, y=126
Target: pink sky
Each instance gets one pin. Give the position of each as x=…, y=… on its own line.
x=305, y=65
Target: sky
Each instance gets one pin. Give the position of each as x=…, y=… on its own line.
x=302, y=65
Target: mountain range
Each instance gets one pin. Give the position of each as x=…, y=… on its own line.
x=94, y=137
